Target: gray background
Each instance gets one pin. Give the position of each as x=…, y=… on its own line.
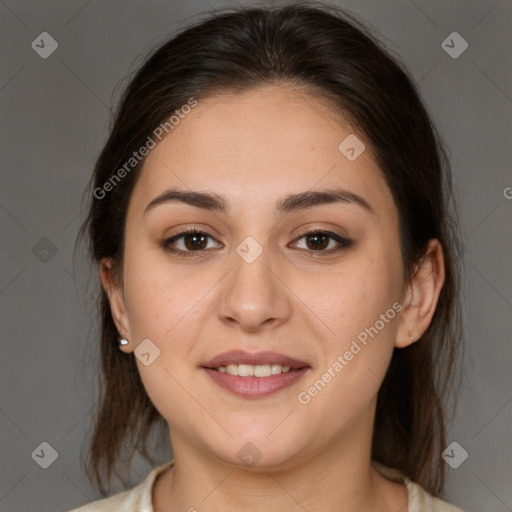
x=55, y=115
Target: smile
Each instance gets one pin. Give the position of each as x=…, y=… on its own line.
x=254, y=375
x=249, y=370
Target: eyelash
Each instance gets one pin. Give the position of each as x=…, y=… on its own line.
x=345, y=243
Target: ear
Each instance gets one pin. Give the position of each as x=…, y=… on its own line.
x=112, y=284
x=422, y=295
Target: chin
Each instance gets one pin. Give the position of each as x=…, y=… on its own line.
x=261, y=451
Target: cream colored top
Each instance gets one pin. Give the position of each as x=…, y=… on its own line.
x=138, y=499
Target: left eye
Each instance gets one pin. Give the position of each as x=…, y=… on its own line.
x=320, y=241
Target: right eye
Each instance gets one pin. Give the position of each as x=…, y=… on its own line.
x=191, y=240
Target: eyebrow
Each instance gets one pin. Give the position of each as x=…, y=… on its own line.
x=291, y=203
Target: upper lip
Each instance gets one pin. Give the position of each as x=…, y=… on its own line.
x=258, y=358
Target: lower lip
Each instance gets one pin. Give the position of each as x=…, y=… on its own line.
x=255, y=387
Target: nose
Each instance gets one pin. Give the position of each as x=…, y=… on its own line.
x=254, y=295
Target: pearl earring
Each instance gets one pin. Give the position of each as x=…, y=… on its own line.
x=123, y=341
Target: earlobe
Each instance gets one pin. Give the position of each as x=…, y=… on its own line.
x=112, y=286
x=422, y=295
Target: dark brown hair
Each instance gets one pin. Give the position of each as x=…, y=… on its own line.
x=330, y=53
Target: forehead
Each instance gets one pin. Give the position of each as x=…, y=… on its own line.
x=257, y=145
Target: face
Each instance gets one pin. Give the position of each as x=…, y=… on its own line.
x=252, y=281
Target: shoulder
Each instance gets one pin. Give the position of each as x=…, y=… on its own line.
x=123, y=502
x=137, y=499
x=419, y=499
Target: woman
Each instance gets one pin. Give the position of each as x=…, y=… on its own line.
x=271, y=221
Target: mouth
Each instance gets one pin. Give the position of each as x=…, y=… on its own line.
x=259, y=370
x=254, y=375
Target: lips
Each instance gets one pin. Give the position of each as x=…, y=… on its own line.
x=260, y=358
x=286, y=371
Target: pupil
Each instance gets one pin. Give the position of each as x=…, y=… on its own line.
x=316, y=237
x=194, y=237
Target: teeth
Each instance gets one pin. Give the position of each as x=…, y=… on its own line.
x=249, y=370
x=245, y=370
x=262, y=370
x=232, y=369
x=275, y=369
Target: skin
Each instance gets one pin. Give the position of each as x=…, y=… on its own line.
x=255, y=148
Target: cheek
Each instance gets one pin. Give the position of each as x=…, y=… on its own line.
x=356, y=357
x=158, y=294
x=352, y=297
x=359, y=304
x=162, y=305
